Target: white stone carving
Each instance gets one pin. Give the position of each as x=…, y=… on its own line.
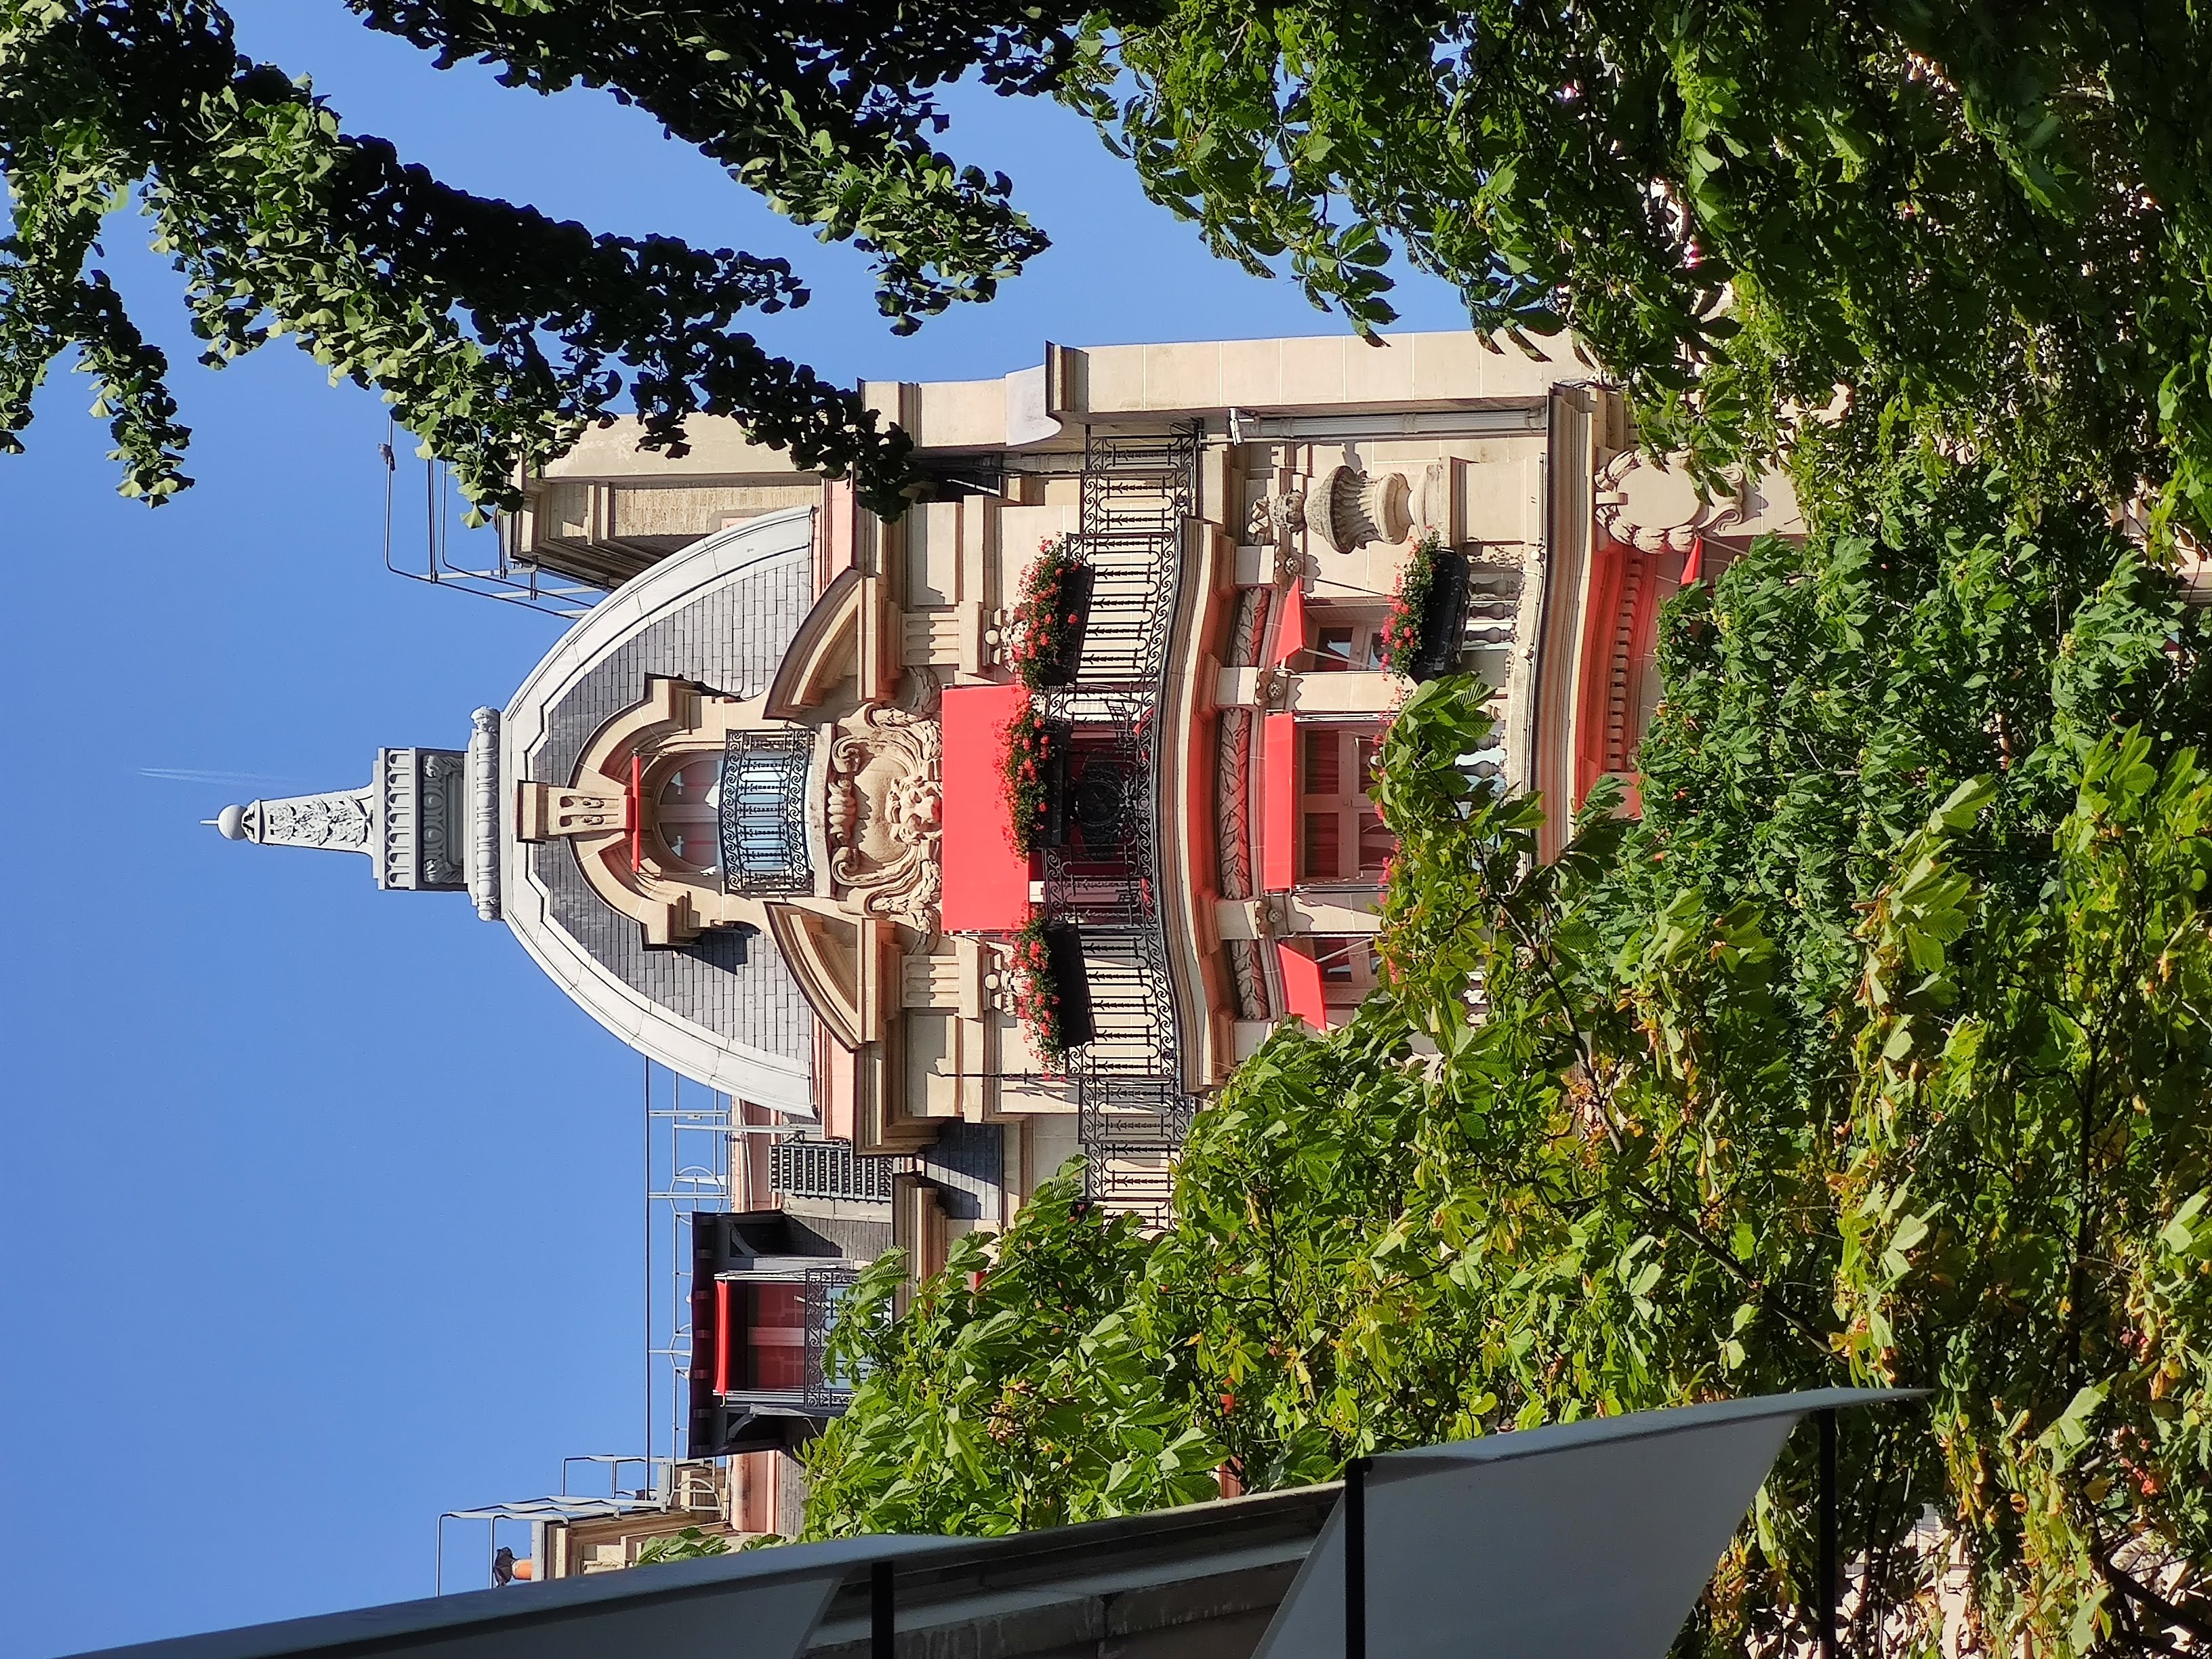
x=885, y=812
x=483, y=813
x=411, y=822
x=1655, y=508
x=1347, y=508
x=340, y=822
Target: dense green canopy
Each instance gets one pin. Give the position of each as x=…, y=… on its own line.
x=496, y=333
x=1993, y=223
x=1879, y=1051
x=1995, y=220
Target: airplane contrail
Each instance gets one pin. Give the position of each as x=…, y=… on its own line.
x=189, y=774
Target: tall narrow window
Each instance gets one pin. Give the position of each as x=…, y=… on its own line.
x=1342, y=838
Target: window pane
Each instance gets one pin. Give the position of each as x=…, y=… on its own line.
x=1323, y=775
x=1369, y=748
x=1376, y=844
x=1324, y=846
x=1332, y=649
x=1334, y=955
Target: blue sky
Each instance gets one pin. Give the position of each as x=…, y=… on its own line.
x=321, y=1207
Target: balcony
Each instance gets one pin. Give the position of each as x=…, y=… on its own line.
x=764, y=1288
x=1108, y=873
x=772, y=1329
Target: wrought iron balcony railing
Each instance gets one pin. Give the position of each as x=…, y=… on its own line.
x=828, y=1170
x=1133, y=1110
x=825, y=1393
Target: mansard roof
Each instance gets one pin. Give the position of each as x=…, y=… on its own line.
x=724, y=1009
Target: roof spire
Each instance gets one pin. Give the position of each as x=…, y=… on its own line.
x=343, y=821
x=427, y=819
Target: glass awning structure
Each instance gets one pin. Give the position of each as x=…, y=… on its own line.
x=1591, y=1539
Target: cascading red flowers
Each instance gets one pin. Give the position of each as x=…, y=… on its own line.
x=1417, y=582
x=1043, y=627
x=1036, y=995
x=1022, y=769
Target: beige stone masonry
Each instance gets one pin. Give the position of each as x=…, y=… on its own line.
x=1353, y=693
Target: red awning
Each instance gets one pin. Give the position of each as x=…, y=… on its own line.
x=987, y=882
x=1290, y=631
x=1302, y=989
x=1279, y=821
x=721, y=1336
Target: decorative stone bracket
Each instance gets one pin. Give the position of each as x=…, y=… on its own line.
x=1654, y=508
x=547, y=809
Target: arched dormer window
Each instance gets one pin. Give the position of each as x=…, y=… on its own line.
x=683, y=816
x=686, y=793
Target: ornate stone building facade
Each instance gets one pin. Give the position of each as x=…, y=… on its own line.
x=747, y=812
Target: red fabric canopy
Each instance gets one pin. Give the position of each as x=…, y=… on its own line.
x=987, y=882
x=1302, y=989
x=1290, y=631
x=1278, y=820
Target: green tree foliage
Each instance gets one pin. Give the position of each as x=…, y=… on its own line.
x=1992, y=223
x=1997, y=218
x=497, y=334
x=690, y=1544
x=1561, y=1164
x=1016, y=1391
x=1822, y=700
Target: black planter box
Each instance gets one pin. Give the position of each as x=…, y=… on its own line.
x=1051, y=827
x=1444, y=619
x=1063, y=953
x=1074, y=600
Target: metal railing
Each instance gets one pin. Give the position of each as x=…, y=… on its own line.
x=691, y=1165
x=1137, y=494
x=762, y=819
x=498, y=574
x=670, y=1484
x=824, y=1285
x=829, y=1169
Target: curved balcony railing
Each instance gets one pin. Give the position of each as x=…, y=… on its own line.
x=1133, y=1107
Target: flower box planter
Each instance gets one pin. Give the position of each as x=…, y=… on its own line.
x=1050, y=616
x=1444, y=620
x=1052, y=993
x=1033, y=778
x=1057, y=667
x=1421, y=639
x=1050, y=827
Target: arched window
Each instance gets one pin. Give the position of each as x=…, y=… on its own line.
x=685, y=813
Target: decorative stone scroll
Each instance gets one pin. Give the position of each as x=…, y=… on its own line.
x=1656, y=508
x=884, y=817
